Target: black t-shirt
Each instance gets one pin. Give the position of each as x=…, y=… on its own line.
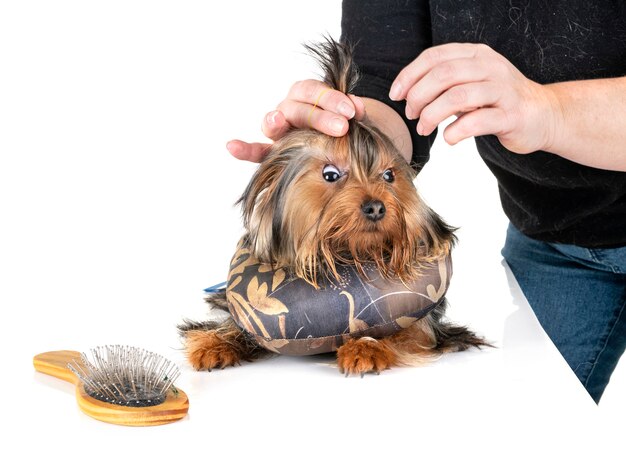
x=545, y=196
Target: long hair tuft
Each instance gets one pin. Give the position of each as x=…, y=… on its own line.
x=335, y=60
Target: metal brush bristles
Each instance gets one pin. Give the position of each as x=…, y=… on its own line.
x=125, y=375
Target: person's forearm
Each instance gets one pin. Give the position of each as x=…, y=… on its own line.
x=590, y=125
x=390, y=123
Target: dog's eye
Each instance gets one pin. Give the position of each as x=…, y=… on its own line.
x=331, y=173
x=388, y=176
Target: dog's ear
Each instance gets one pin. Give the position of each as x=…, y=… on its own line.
x=263, y=200
x=256, y=193
x=256, y=205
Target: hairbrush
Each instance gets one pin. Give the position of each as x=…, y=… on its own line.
x=120, y=384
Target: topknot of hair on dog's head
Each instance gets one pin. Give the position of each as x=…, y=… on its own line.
x=335, y=59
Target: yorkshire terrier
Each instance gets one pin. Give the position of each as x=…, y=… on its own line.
x=317, y=201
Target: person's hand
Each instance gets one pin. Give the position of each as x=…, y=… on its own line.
x=309, y=104
x=487, y=93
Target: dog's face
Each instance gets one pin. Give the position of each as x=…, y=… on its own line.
x=317, y=201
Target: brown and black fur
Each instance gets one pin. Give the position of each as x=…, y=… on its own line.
x=296, y=219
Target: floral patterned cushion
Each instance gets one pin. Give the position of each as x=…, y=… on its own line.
x=287, y=315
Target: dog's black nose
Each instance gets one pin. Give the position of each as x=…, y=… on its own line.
x=373, y=210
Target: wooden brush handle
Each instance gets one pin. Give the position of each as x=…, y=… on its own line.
x=55, y=363
x=174, y=408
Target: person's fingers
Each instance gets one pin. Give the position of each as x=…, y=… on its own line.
x=316, y=93
x=302, y=115
x=310, y=104
x=359, y=107
x=275, y=125
x=431, y=57
x=441, y=78
x=476, y=123
x=245, y=151
x=458, y=99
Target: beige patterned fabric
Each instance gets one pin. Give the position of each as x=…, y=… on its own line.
x=287, y=315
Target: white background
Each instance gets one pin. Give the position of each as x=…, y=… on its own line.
x=117, y=192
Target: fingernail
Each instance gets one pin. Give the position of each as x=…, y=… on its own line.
x=410, y=114
x=396, y=90
x=336, y=125
x=270, y=118
x=345, y=109
x=420, y=128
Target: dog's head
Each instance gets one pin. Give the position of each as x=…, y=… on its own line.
x=317, y=201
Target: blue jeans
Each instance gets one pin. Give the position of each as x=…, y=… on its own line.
x=579, y=296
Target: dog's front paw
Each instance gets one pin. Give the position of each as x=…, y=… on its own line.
x=207, y=350
x=364, y=355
